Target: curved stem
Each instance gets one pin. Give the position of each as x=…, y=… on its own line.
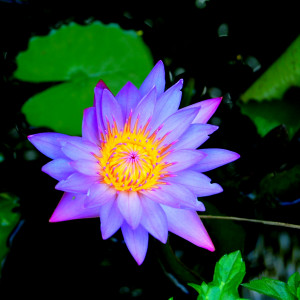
x=272, y=223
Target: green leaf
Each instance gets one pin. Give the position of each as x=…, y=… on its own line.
x=271, y=287
x=79, y=56
x=8, y=220
x=228, y=275
x=294, y=283
x=267, y=115
x=279, y=77
x=266, y=111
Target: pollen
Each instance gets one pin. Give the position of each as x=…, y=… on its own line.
x=131, y=159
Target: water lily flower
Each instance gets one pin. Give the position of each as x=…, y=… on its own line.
x=137, y=165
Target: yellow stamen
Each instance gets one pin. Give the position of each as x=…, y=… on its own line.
x=130, y=160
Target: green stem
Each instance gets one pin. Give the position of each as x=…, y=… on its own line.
x=272, y=223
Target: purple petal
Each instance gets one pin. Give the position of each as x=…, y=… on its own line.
x=49, y=143
x=184, y=196
x=154, y=219
x=208, y=108
x=145, y=108
x=128, y=98
x=167, y=104
x=136, y=241
x=187, y=224
x=99, y=194
x=80, y=150
x=71, y=207
x=155, y=78
x=175, y=125
x=111, y=219
x=76, y=183
x=183, y=159
x=90, y=126
x=161, y=197
x=130, y=207
x=58, y=168
x=195, y=136
x=86, y=167
x=111, y=110
x=199, y=183
x=215, y=158
x=98, y=92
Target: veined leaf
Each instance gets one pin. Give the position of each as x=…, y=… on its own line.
x=272, y=288
x=228, y=275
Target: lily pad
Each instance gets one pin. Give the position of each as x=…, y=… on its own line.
x=8, y=220
x=278, y=78
x=265, y=100
x=79, y=56
x=267, y=115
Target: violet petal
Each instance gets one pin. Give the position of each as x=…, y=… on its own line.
x=183, y=159
x=194, y=136
x=167, y=104
x=76, y=183
x=155, y=78
x=199, y=183
x=98, y=194
x=87, y=167
x=187, y=224
x=90, y=125
x=111, y=110
x=59, y=168
x=128, y=98
x=144, y=109
x=111, y=219
x=130, y=207
x=215, y=158
x=49, y=143
x=175, y=125
x=154, y=219
x=71, y=207
x=136, y=241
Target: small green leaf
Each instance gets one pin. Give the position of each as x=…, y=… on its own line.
x=271, y=287
x=279, y=77
x=230, y=271
x=228, y=275
x=79, y=56
x=294, y=283
x=8, y=220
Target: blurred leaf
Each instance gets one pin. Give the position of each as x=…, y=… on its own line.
x=229, y=273
x=8, y=220
x=294, y=283
x=271, y=287
x=267, y=115
x=279, y=77
x=80, y=56
x=283, y=186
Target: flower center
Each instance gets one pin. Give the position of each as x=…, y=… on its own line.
x=130, y=159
